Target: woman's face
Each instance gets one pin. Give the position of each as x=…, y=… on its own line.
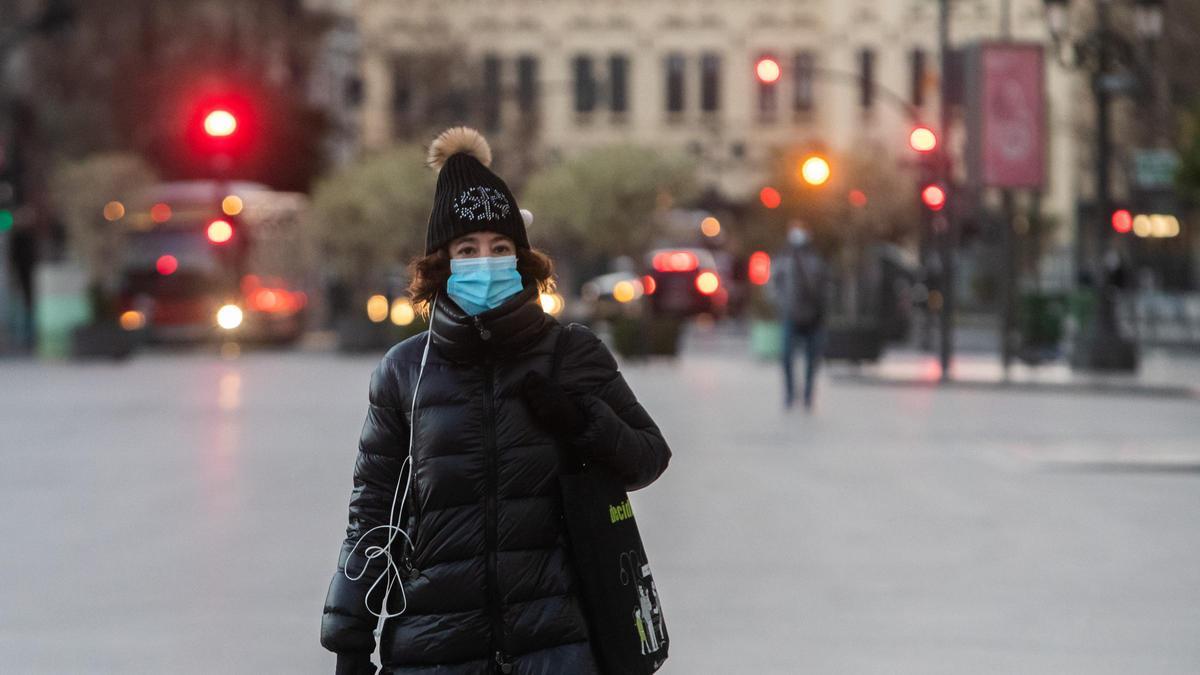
x=482, y=245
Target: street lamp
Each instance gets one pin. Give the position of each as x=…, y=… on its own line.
x=1103, y=53
x=815, y=170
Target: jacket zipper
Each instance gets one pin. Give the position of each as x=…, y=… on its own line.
x=490, y=517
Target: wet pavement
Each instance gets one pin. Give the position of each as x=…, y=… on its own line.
x=182, y=513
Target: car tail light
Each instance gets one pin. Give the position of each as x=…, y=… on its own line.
x=649, y=285
x=708, y=282
x=675, y=261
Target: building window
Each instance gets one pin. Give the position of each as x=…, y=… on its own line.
x=917, y=62
x=710, y=82
x=618, y=83
x=803, y=72
x=675, y=89
x=866, y=75
x=490, y=99
x=585, y=84
x=402, y=85
x=527, y=84
x=352, y=91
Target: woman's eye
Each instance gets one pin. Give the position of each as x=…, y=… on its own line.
x=466, y=251
x=501, y=250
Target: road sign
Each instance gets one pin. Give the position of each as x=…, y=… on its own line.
x=1154, y=168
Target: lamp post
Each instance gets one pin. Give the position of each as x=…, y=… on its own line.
x=1108, y=57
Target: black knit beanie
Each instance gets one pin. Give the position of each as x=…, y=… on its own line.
x=469, y=197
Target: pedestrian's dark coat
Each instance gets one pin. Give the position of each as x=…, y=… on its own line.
x=492, y=568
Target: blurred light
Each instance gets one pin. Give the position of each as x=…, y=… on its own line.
x=1173, y=226
x=759, y=270
x=1141, y=225
x=160, y=213
x=114, y=210
x=132, y=320
x=934, y=197
x=625, y=291
x=402, y=313
x=1157, y=225
x=220, y=123
x=266, y=300
x=649, y=285
x=922, y=139
x=552, y=303
x=815, y=170
x=231, y=205
x=1122, y=220
x=710, y=226
x=6, y=220
x=229, y=317
x=767, y=70
x=220, y=231
x=675, y=261
x=770, y=197
x=857, y=198
x=1160, y=225
x=377, y=308
x=166, y=264
x=708, y=282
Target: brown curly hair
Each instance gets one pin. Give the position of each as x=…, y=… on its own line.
x=428, y=275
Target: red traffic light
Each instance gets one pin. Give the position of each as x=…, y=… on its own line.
x=166, y=264
x=768, y=71
x=770, y=197
x=922, y=139
x=759, y=268
x=933, y=197
x=219, y=231
x=1122, y=220
x=220, y=123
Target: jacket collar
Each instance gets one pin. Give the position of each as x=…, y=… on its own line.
x=501, y=332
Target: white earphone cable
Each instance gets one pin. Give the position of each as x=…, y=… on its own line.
x=390, y=575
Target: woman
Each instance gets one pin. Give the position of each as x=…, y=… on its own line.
x=486, y=585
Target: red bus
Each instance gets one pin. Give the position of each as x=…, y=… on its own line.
x=213, y=260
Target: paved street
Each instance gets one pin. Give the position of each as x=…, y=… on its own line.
x=182, y=513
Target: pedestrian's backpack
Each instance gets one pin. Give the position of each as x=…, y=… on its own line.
x=804, y=296
x=624, y=618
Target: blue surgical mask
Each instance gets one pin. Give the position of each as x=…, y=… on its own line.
x=480, y=284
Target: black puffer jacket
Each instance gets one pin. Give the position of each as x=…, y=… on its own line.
x=491, y=578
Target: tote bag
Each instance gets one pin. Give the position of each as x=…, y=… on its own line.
x=625, y=620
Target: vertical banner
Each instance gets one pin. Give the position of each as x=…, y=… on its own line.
x=1006, y=116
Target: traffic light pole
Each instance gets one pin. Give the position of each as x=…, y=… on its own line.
x=945, y=230
x=1101, y=346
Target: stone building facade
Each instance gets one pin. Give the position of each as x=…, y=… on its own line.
x=548, y=78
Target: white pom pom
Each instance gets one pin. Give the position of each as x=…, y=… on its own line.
x=457, y=140
x=527, y=216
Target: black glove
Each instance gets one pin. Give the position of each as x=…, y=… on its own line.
x=355, y=664
x=553, y=406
